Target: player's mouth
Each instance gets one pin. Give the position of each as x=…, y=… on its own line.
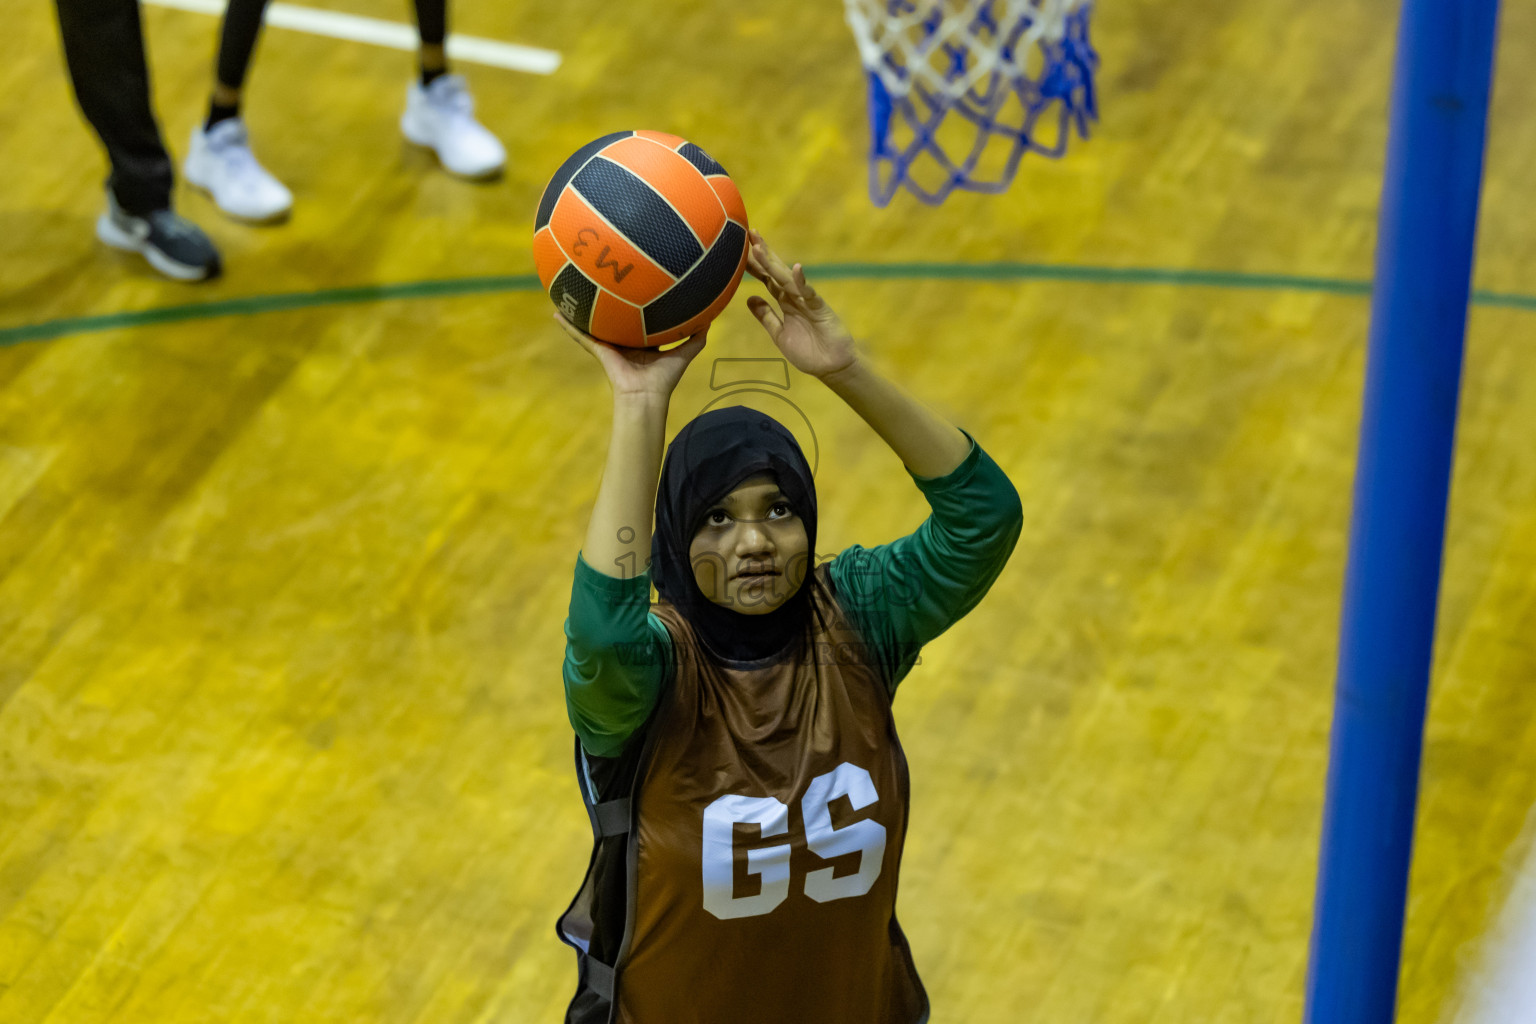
x=748, y=574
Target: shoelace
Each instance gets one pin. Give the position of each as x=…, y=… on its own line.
x=172, y=225
x=449, y=94
x=233, y=149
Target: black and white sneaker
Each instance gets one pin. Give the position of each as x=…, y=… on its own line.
x=173, y=245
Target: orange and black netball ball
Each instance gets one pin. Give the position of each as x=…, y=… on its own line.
x=640, y=238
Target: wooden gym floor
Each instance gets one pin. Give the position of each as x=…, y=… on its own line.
x=282, y=585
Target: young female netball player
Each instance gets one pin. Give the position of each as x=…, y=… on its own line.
x=735, y=744
x=439, y=114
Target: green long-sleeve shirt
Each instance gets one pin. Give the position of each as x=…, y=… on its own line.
x=899, y=595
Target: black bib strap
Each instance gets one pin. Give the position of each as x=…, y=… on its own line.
x=600, y=978
x=612, y=817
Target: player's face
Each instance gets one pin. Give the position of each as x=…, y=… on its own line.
x=752, y=528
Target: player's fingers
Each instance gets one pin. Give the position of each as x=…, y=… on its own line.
x=771, y=321
x=685, y=350
x=777, y=290
x=755, y=261
x=776, y=268
x=779, y=271
x=581, y=338
x=779, y=280
x=780, y=294
x=755, y=266
x=802, y=285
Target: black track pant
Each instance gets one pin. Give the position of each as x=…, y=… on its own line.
x=242, y=25
x=104, y=48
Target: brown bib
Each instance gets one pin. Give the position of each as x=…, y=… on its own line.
x=770, y=820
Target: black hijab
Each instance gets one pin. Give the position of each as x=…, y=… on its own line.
x=708, y=459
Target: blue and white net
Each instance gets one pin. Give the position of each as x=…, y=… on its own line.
x=960, y=90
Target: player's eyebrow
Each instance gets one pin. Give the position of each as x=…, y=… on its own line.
x=730, y=499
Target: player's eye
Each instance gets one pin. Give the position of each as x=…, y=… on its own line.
x=784, y=505
x=709, y=517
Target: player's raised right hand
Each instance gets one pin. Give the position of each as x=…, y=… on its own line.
x=638, y=371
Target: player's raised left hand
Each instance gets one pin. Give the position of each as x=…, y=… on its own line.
x=811, y=336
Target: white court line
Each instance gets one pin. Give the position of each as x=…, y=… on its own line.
x=1502, y=989
x=386, y=33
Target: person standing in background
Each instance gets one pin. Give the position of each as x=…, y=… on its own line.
x=439, y=114
x=104, y=50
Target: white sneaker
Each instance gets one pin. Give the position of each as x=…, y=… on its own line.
x=220, y=161
x=441, y=116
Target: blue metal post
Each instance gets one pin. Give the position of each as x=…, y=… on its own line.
x=1402, y=480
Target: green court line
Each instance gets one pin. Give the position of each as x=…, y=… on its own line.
x=255, y=304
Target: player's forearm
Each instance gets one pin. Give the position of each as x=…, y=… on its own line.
x=619, y=532
x=928, y=444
